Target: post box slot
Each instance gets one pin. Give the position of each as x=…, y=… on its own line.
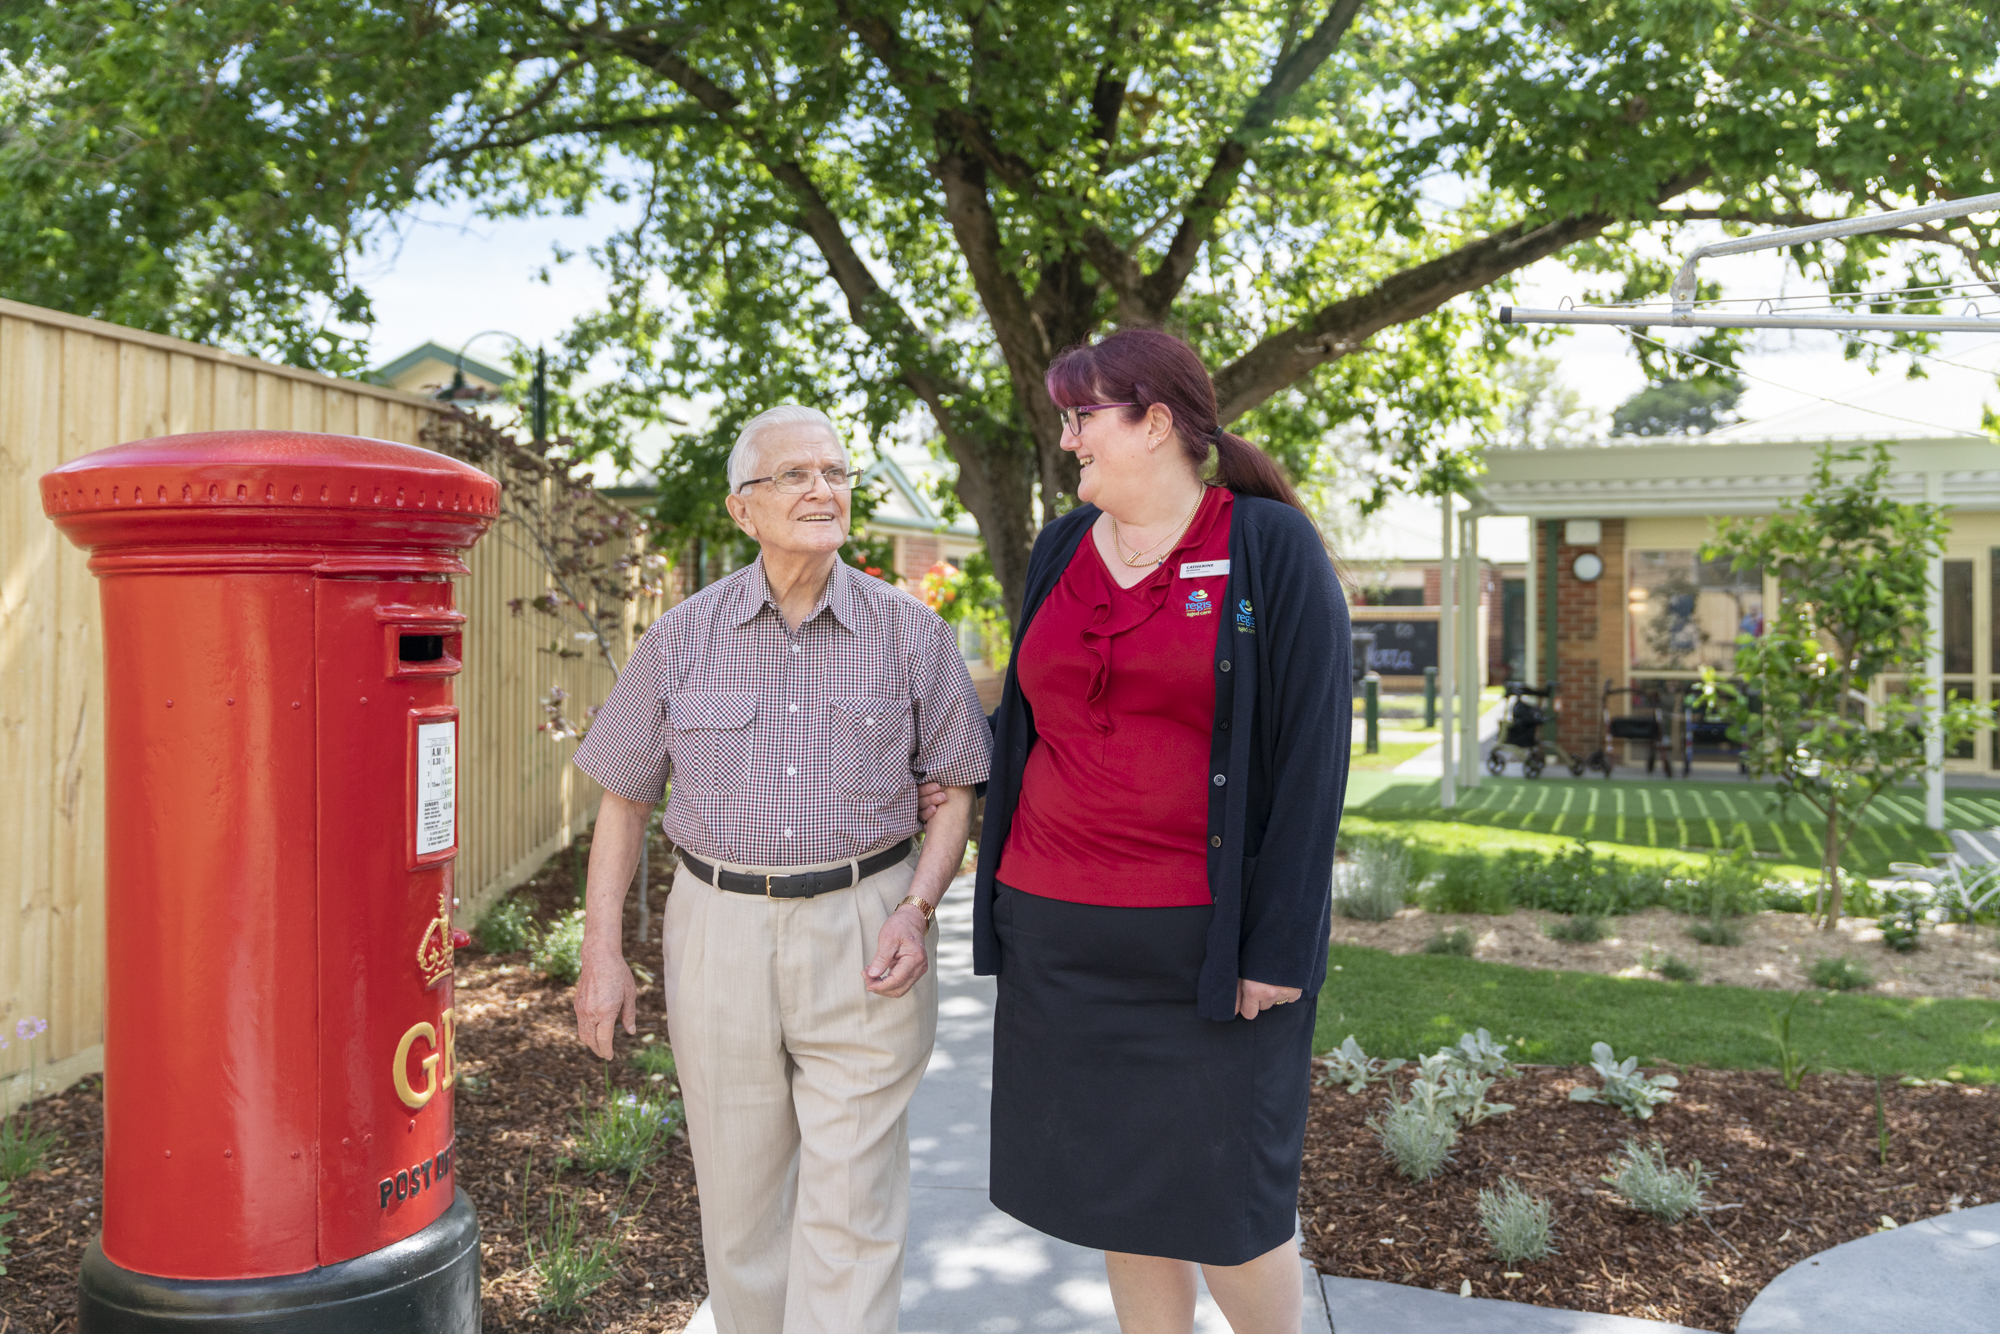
x=412, y=652
x=420, y=648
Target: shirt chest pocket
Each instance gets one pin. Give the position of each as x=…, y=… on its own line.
x=873, y=739
x=712, y=740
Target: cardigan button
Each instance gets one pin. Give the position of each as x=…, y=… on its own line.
x=1220, y=780
x=1225, y=664
x=1215, y=840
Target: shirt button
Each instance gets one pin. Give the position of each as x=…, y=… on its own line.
x=869, y=721
x=1220, y=780
x=788, y=833
x=795, y=648
x=793, y=707
x=791, y=769
x=1215, y=840
x=1225, y=664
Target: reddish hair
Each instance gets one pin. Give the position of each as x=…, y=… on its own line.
x=1148, y=366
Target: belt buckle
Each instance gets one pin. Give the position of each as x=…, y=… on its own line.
x=767, y=885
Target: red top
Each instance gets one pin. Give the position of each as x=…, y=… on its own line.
x=1114, y=798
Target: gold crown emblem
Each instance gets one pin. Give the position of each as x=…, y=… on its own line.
x=434, y=949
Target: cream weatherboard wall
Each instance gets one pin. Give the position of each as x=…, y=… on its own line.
x=69, y=386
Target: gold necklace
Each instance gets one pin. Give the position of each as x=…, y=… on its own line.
x=1137, y=558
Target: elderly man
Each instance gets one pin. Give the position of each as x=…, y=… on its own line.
x=799, y=704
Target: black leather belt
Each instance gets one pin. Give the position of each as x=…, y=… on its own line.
x=803, y=885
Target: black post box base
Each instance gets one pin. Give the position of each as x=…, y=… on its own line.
x=424, y=1284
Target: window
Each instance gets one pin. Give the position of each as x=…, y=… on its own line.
x=1958, y=616
x=1687, y=612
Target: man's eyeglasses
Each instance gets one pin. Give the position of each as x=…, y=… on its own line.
x=793, y=481
x=1074, y=418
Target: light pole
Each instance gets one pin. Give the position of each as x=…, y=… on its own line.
x=460, y=391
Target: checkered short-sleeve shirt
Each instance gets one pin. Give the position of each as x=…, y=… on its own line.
x=790, y=748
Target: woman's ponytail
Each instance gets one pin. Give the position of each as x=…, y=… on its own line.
x=1249, y=471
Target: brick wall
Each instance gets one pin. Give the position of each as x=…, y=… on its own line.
x=1590, y=636
x=1432, y=595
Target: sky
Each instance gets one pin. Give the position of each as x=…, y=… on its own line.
x=453, y=276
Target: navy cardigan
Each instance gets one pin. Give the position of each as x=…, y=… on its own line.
x=1277, y=783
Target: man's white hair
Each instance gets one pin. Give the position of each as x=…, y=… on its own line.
x=790, y=414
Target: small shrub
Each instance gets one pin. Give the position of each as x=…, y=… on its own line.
x=626, y=1133
x=1518, y=1226
x=1354, y=1067
x=1676, y=969
x=22, y=1149
x=1416, y=1140
x=1900, y=927
x=655, y=1058
x=1456, y=941
x=558, y=952
x=1445, y=1087
x=1624, y=1087
x=1649, y=1185
x=568, y=1266
x=1838, y=974
x=1716, y=931
x=1376, y=882
x=506, y=928
x=1472, y=883
x=1479, y=1054
x=1578, y=929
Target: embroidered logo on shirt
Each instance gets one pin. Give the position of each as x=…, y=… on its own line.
x=1246, y=620
x=1198, y=603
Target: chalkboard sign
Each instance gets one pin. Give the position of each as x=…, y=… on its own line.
x=1402, y=648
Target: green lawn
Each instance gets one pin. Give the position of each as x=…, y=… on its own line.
x=1389, y=756
x=1671, y=816
x=1406, y=1005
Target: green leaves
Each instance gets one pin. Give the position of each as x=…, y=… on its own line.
x=901, y=213
x=1833, y=703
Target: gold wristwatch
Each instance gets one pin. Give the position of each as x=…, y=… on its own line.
x=923, y=906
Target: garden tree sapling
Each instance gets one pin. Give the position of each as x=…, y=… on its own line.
x=893, y=209
x=1853, y=569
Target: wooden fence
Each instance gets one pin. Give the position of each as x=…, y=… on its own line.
x=69, y=386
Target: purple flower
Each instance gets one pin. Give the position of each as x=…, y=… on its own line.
x=31, y=1028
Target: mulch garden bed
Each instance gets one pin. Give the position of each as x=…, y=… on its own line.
x=523, y=1078
x=1795, y=1173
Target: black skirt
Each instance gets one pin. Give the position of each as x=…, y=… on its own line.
x=1123, y=1120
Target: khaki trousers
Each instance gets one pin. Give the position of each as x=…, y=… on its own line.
x=797, y=1085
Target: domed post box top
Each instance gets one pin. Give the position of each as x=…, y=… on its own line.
x=268, y=489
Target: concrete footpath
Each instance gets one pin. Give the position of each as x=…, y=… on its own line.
x=974, y=1270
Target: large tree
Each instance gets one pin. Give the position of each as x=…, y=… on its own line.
x=894, y=207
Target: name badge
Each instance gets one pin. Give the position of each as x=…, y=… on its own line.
x=1203, y=569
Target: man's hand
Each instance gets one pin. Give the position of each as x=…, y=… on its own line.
x=900, y=958
x=1253, y=998
x=930, y=800
x=605, y=991
x=606, y=995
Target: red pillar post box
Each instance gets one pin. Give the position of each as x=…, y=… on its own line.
x=281, y=766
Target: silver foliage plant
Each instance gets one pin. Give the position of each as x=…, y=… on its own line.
x=1376, y=881
x=1417, y=1139
x=1651, y=1186
x=1356, y=1069
x=1624, y=1087
x=1518, y=1226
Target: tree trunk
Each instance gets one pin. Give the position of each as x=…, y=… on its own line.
x=1830, y=867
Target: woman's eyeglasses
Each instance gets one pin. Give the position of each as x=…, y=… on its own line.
x=1074, y=418
x=793, y=481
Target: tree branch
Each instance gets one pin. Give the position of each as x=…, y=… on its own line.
x=1156, y=295
x=1333, y=331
